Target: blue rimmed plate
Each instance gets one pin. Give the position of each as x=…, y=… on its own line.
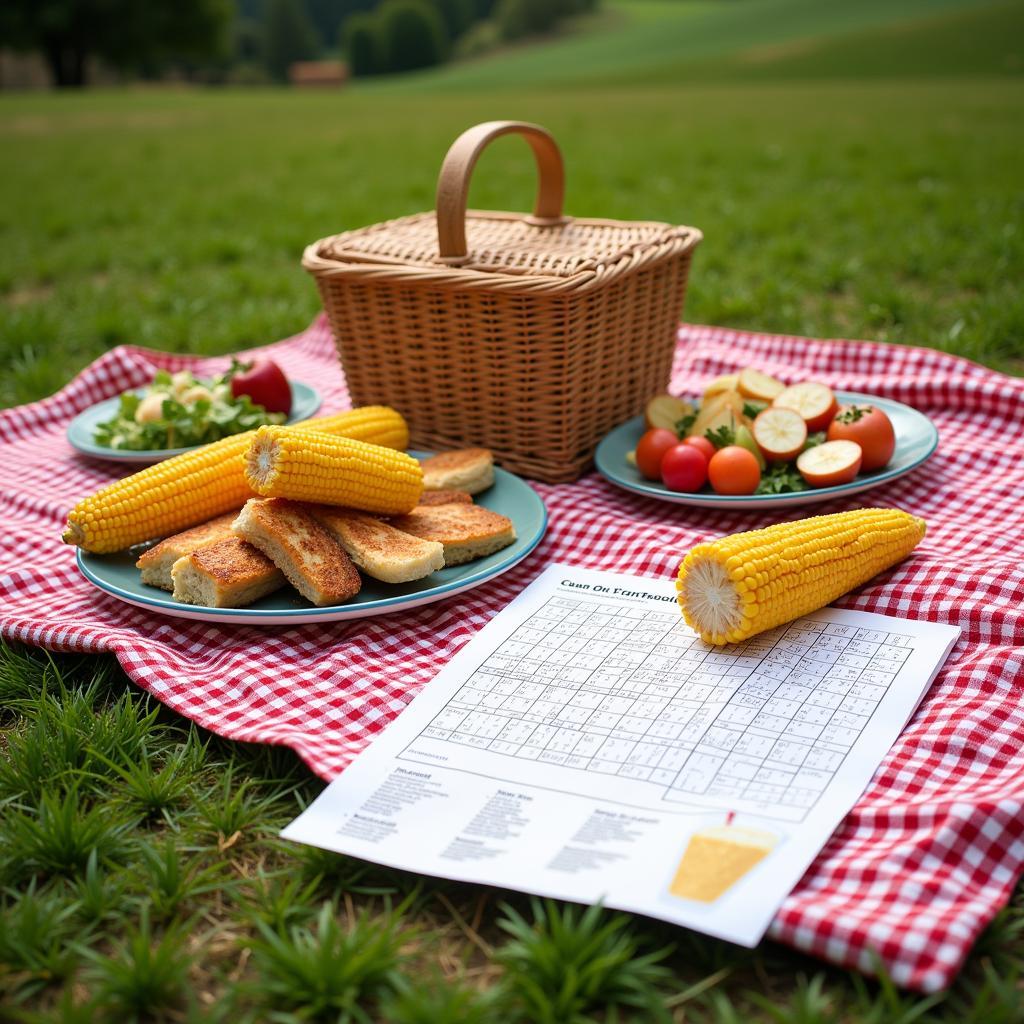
x=116, y=574
x=305, y=403
x=916, y=441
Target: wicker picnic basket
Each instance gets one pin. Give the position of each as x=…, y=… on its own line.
x=533, y=337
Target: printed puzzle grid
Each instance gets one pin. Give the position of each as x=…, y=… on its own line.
x=633, y=692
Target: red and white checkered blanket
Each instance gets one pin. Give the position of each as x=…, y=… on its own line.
x=932, y=849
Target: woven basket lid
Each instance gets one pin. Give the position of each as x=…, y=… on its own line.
x=544, y=251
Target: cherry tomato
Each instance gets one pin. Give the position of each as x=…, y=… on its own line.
x=684, y=468
x=702, y=444
x=650, y=450
x=870, y=428
x=734, y=470
x=265, y=383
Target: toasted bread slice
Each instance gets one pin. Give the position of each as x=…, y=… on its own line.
x=468, y=469
x=228, y=574
x=311, y=559
x=466, y=531
x=380, y=550
x=156, y=563
x=446, y=498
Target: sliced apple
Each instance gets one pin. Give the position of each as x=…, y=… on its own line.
x=780, y=433
x=727, y=382
x=759, y=386
x=814, y=402
x=830, y=464
x=722, y=410
x=666, y=411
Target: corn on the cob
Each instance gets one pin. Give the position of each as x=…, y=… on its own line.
x=734, y=587
x=199, y=485
x=311, y=466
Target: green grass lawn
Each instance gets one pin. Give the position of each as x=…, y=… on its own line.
x=854, y=176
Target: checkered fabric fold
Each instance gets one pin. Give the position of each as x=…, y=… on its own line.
x=932, y=849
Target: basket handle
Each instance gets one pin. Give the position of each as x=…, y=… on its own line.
x=453, y=183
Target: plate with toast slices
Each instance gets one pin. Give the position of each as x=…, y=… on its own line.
x=279, y=561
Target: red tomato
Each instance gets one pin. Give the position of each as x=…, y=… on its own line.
x=684, y=468
x=702, y=444
x=651, y=448
x=734, y=470
x=870, y=428
x=265, y=383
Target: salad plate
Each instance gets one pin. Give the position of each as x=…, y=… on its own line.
x=306, y=402
x=916, y=441
x=116, y=574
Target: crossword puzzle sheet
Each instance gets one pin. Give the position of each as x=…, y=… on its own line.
x=632, y=692
x=587, y=745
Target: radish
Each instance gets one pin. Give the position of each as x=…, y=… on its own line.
x=814, y=402
x=780, y=434
x=759, y=386
x=831, y=463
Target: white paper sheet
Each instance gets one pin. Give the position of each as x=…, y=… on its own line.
x=587, y=745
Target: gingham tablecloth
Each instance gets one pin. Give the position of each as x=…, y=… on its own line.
x=932, y=849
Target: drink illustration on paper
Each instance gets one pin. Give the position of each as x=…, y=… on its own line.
x=717, y=857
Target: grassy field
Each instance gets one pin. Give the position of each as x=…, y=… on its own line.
x=854, y=176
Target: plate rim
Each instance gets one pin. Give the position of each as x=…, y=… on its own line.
x=94, y=451
x=753, y=501
x=330, y=613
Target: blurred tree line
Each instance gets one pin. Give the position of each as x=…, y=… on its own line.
x=385, y=36
x=131, y=36
x=256, y=40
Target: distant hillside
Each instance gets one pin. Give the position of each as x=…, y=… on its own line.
x=637, y=41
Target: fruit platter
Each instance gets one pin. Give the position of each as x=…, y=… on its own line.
x=752, y=441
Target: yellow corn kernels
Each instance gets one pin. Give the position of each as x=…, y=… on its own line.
x=734, y=587
x=311, y=466
x=198, y=485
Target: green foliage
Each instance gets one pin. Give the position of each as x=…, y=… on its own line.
x=879, y=1001
x=145, y=974
x=518, y=18
x=60, y=837
x=481, y=38
x=334, y=874
x=124, y=33
x=280, y=901
x=327, y=15
x=36, y=932
x=154, y=792
x=412, y=35
x=456, y=15
x=568, y=963
x=996, y=998
x=362, y=44
x=68, y=741
x=330, y=971
x=439, y=1000
x=99, y=894
x=172, y=881
x=809, y=1003
x=22, y=679
x=288, y=36
x=232, y=812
